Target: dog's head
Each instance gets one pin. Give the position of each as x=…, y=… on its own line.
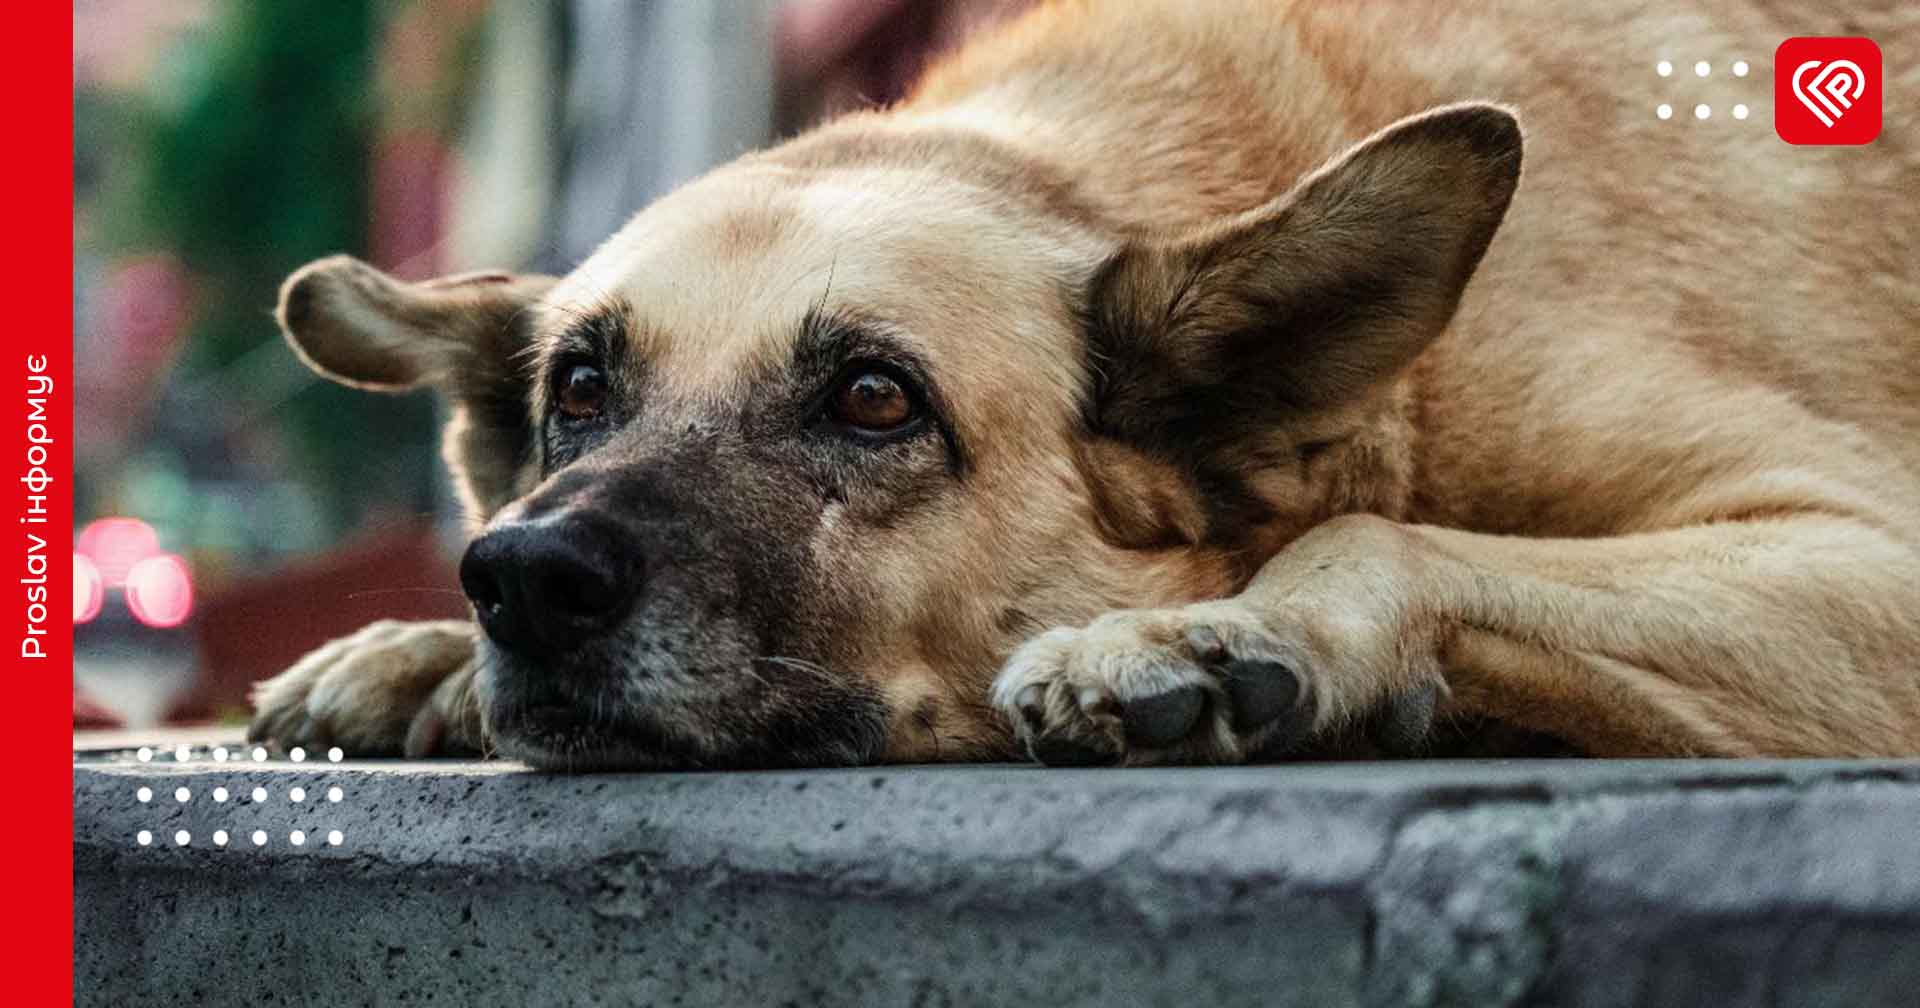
x=785, y=469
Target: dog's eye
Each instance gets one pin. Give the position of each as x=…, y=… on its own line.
x=581, y=392
x=874, y=402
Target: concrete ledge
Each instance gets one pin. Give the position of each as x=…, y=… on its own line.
x=1583, y=883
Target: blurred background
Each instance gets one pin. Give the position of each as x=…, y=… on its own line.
x=233, y=511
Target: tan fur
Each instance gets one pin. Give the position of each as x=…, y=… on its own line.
x=1653, y=487
x=388, y=687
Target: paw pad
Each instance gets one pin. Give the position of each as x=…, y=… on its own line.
x=1260, y=690
x=1162, y=719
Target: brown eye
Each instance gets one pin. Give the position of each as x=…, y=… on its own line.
x=874, y=402
x=582, y=392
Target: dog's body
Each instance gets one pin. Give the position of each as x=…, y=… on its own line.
x=1649, y=484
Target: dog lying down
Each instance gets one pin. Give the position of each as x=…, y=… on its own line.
x=1187, y=382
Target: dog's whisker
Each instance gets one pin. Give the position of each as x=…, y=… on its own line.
x=369, y=592
x=795, y=663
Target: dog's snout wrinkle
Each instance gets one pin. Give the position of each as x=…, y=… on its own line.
x=550, y=585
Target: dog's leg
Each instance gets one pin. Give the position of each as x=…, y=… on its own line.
x=1784, y=635
x=390, y=688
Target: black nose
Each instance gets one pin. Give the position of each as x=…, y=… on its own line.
x=550, y=585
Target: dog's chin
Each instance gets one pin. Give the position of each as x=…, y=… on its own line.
x=569, y=747
x=559, y=739
x=531, y=718
x=549, y=718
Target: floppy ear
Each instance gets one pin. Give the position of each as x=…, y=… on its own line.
x=1310, y=301
x=463, y=335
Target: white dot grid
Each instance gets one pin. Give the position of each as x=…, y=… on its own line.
x=220, y=794
x=1702, y=68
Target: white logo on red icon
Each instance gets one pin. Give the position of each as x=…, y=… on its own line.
x=1832, y=91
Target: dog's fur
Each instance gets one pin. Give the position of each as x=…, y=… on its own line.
x=1230, y=457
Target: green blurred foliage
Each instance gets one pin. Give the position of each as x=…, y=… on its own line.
x=261, y=166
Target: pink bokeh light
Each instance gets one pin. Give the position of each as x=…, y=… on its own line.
x=160, y=591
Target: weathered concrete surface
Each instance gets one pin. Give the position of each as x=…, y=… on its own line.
x=1724, y=884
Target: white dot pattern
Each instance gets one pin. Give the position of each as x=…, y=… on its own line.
x=221, y=794
x=1702, y=69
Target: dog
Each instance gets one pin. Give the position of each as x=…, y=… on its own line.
x=1170, y=382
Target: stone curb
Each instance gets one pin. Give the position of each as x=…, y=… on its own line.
x=1761, y=883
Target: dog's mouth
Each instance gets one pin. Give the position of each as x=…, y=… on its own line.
x=549, y=718
x=564, y=738
x=544, y=718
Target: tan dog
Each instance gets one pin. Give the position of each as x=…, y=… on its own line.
x=1134, y=361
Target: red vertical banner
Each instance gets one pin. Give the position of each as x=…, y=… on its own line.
x=36, y=374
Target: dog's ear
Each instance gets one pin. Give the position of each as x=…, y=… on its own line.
x=463, y=335
x=1307, y=302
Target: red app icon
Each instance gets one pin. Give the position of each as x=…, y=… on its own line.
x=1826, y=90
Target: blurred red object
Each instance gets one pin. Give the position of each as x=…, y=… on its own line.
x=256, y=627
x=836, y=55
x=160, y=591
x=89, y=589
x=115, y=545
x=87, y=714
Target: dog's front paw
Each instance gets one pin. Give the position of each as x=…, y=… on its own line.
x=1206, y=683
x=390, y=688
